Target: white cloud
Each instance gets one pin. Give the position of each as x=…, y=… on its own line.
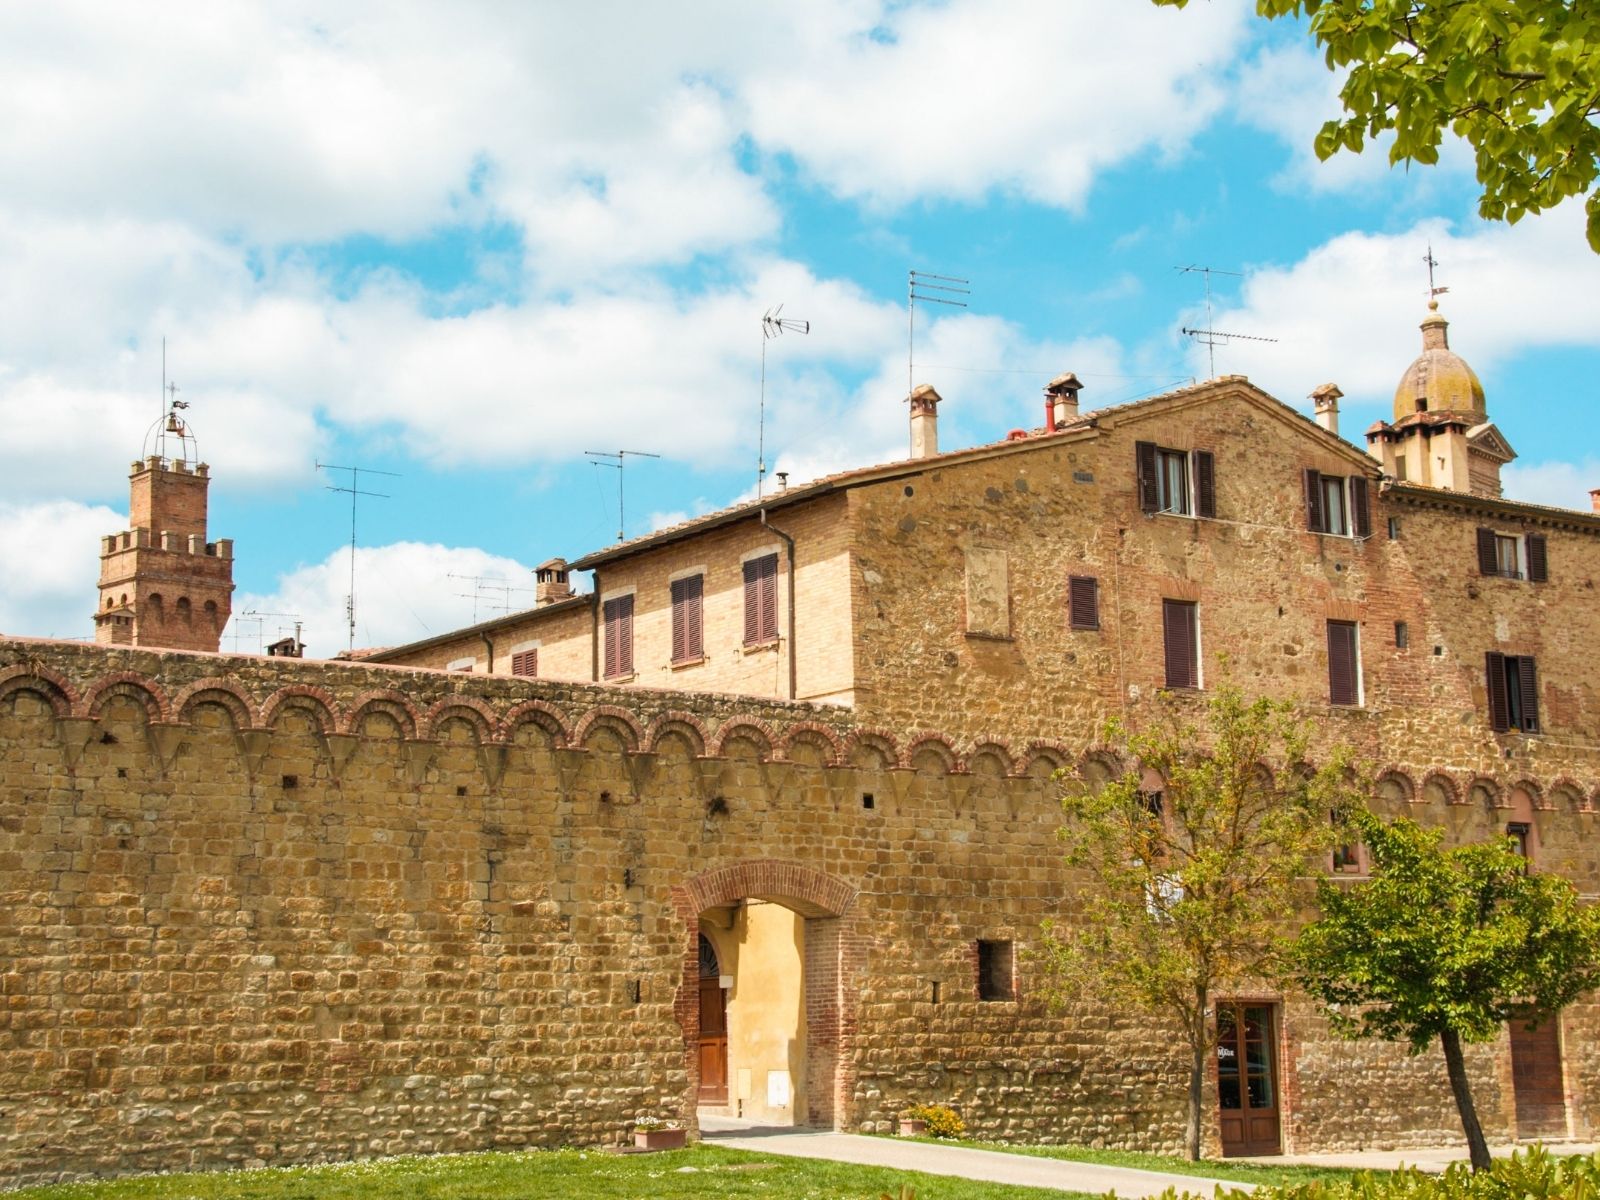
x=1563, y=484
x=404, y=593
x=48, y=587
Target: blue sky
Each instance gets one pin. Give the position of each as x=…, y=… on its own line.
x=468, y=245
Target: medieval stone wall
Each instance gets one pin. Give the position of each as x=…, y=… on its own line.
x=267, y=910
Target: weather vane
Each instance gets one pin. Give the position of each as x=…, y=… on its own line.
x=1433, y=292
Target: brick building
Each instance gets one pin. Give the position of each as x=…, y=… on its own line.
x=764, y=822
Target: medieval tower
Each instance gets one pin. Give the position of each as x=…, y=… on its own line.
x=162, y=584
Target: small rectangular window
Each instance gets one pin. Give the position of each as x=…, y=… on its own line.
x=525, y=662
x=618, y=613
x=1513, y=685
x=1507, y=556
x=1335, y=517
x=1344, y=663
x=1083, y=602
x=1400, y=469
x=761, y=600
x=1180, y=641
x=996, y=979
x=1346, y=855
x=1394, y=529
x=1172, y=481
x=1402, y=635
x=687, y=622
x=1176, y=481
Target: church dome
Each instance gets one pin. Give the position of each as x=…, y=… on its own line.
x=1438, y=380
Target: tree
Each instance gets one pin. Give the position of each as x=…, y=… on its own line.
x=1189, y=885
x=1447, y=944
x=1518, y=81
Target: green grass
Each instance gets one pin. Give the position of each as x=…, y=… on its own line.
x=1211, y=1168
x=699, y=1171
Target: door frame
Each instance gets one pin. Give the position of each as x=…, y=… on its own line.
x=1277, y=1052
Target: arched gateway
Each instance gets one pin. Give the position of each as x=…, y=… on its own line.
x=809, y=1000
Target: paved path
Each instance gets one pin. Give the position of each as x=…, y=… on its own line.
x=989, y=1166
x=1433, y=1159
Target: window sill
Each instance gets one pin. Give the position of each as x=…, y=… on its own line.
x=683, y=664
x=628, y=678
x=760, y=647
x=988, y=637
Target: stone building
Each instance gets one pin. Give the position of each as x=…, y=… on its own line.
x=765, y=821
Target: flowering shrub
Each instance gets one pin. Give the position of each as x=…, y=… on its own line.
x=942, y=1120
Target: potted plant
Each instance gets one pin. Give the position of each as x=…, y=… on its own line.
x=652, y=1133
x=937, y=1120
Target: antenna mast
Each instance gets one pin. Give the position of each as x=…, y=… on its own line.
x=621, y=457
x=354, y=490
x=1212, y=338
x=773, y=325
x=918, y=287
x=1433, y=292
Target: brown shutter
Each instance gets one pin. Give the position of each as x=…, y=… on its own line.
x=1177, y=632
x=752, y=602
x=611, y=616
x=1341, y=662
x=625, y=635
x=1538, y=561
x=1488, y=563
x=1499, y=708
x=1083, y=602
x=1360, y=507
x=1144, y=455
x=769, y=598
x=686, y=623
x=1315, y=520
x=1205, y=482
x=525, y=662
x=1528, y=690
x=678, y=624
x=694, y=617
x=760, y=599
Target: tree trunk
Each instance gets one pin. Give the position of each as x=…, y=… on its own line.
x=1477, y=1147
x=1197, y=1075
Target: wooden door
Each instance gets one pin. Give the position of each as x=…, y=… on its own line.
x=1536, y=1079
x=1247, y=1079
x=713, y=1028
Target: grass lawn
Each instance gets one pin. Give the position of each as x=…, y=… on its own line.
x=579, y=1175
x=1211, y=1168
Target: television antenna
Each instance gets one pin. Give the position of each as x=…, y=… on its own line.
x=485, y=585
x=602, y=458
x=354, y=490
x=919, y=286
x=259, y=617
x=1212, y=338
x=773, y=325
x=1433, y=292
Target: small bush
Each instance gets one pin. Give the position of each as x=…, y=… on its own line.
x=943, y=1121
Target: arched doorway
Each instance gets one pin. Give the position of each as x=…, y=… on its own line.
x=767, y=1038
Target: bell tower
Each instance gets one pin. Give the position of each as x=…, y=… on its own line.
x=161, y=583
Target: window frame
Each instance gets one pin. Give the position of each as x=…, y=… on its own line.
x=1355, y=504
x=617, y=622
x=1159, y=470
x=687, y=594
x=1529, y=553
x=1083, y=602
x=1356, y=697
x=1193, y=677
x=1512, y=682
x=996, y=969
x=528, y=657
x=760, y=598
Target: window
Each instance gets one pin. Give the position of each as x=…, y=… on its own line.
x=687, y=624
x=525, y=662
x=618, y=613
x=761, y=600
x=1518, y=832
x=1176, y=481
x=1346, y=855
x=1513, y=692
x=1513, y=556
x=463, y=665
x=1344, y=663
x=1402, y=635
x=1083, y=602
x=995, y=976
x=1394, y=529
x=1400, y=468
x=1180, y=636
x=1338, y=505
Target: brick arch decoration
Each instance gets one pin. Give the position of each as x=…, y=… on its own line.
x=54, y=688
x=224, y=693
x=395, y=705
x=835, y=956
x=1054, y=755
x=1566, y=792
x=610, y=716
x=1446, y=786
x=1395, y=784
x=474, y=712
x=132, y=685
x=938, y=745
x=316, y=702
x=996, y=750
x=816, y=734
x=1538, y=799
x=875, y=741
x=1498, y=797
x=535, y=712
x=749, y=729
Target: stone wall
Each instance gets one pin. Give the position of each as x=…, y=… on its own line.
x=267, y=910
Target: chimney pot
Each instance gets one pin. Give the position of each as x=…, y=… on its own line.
x=1325, y=406
x=553, y=583
x=924, y=421
x=1061, y=394
x=1594, y=498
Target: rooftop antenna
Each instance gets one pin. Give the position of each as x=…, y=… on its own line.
x=487, y=583
x=919, y=286
x=257, y=615
x=354, y=490
x=773, y=325
x=1433, y=292
x=169, y=426
x=1212, y=338
x=621, y=457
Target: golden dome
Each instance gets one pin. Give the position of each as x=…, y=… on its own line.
x=1438, y=380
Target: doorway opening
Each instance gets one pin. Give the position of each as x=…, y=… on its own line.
x=1247, y=1079
x=1536, y=1078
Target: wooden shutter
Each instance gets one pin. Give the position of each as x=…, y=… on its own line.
x=761, y=599
x=1538, y=560
x=525, y=662
x=1083, y=602
x=1528, y=691
x=1316, y=520
x=687, y=626
x=1144, y=454
x=1342, y=663
x=619, y=636
x=1205, y=483
x=1488, y=563
x=610, y=611
x=1499, y=706
x=1360, y=507
x=1177, y=635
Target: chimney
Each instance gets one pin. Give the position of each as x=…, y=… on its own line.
x=1325, y=403
x=552, y=583
x=924, y=422
x=1061, y=401
x=1594, y=498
